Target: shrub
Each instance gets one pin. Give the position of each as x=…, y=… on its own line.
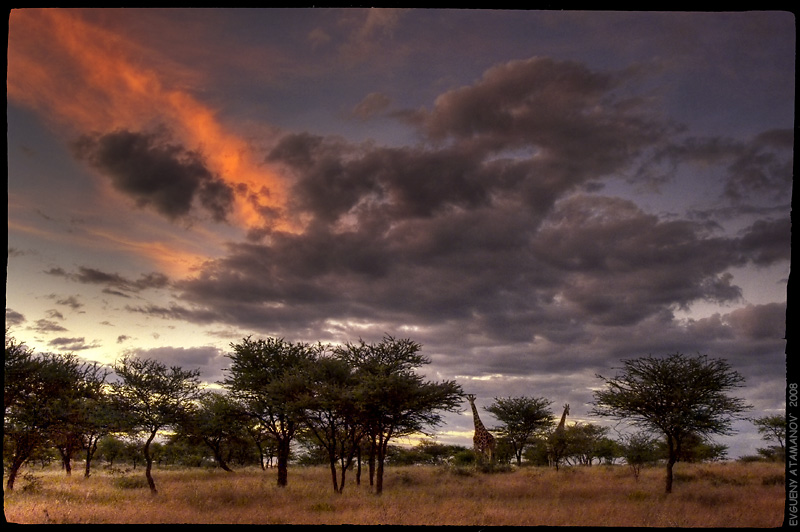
x=130, y=483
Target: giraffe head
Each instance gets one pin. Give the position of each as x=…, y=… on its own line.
x=566, y=409
x=471, y=398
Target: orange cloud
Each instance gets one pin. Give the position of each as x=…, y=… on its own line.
x=85, y=77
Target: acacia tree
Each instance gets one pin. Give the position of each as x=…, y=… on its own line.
x=42, y=403
x=522, y=418
x=396, y=401
x=772, y=429
x=269, y=380
x=217, y=422
x=333, y=415
x=676, y=396
x=153, y=397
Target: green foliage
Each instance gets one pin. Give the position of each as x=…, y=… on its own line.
x=521, y=419
x=677, y=396
x=153, y=397
x=47, y=399
x=269, y=379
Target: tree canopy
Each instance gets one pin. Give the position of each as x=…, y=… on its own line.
x=678, y=396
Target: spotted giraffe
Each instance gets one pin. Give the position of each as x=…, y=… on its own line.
x=555, y=444
x=483, y=440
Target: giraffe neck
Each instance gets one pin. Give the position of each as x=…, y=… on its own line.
x=563, y=420
x=478, y=425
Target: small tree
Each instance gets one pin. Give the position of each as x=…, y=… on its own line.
x=522, y=418
x=395, y=401
x=675, y=396
x=153, y=398
x=42, y=399
x=268, y=378
x=218, y=422
x=333, y=415
x=638, y=450
x=587, y=442
x=773, y=430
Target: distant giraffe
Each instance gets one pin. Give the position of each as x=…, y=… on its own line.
x=555, y=444
x=483, y=440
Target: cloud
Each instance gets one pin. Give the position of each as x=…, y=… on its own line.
x=373, y=104
x=70, y=301
x=767, y=242
x=156, y=173
x=759, y=167
x=71, y=344
x=758, y=322
x=208, y=359
x=14, y=318
x=115, y=283
x=561, y=109
x=85, y=77
x=47, y=326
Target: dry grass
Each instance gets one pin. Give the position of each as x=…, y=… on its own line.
x=714, y=495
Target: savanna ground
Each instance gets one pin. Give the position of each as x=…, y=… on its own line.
x=704, y=495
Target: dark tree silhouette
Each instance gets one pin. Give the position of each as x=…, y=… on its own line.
x=268, y=378
x=153, y=397
x=677, y=396
x=522, y=418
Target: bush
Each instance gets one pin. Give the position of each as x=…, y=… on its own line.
x=130, y=483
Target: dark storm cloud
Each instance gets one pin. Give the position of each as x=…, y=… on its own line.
x=155, y=173
x=566, y=111
x=767, y=242
x=115, y=283
x=620, y=265
x=482, y=226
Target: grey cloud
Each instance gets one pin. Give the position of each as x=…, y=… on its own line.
x=71, y=344
x=621, y=265
x=757, y=322
x=208, y=359
x=71, y=302
x=155, y=173
x=48, y=326
x=562, y=109
x=14, y=318
x=767, y=242
x=373, y=104
x=115, y=283
x=760, y=166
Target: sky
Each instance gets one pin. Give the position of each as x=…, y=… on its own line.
x=533, y=196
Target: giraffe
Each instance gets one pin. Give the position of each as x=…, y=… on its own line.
x=483, y=440
x=555, y=444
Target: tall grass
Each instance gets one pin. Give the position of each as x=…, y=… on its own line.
x=724, y=495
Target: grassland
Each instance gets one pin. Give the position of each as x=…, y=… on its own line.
x=705, y=495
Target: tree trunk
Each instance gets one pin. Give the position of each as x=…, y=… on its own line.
x=261, y=455
x=66, y=460
x=358, y=467
x=371, y=460
x=217, y=450
x=672, y=457
x=382, y=445
x=19, y=459
x=149, y=461
x=91, y=447
x=283, y=462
